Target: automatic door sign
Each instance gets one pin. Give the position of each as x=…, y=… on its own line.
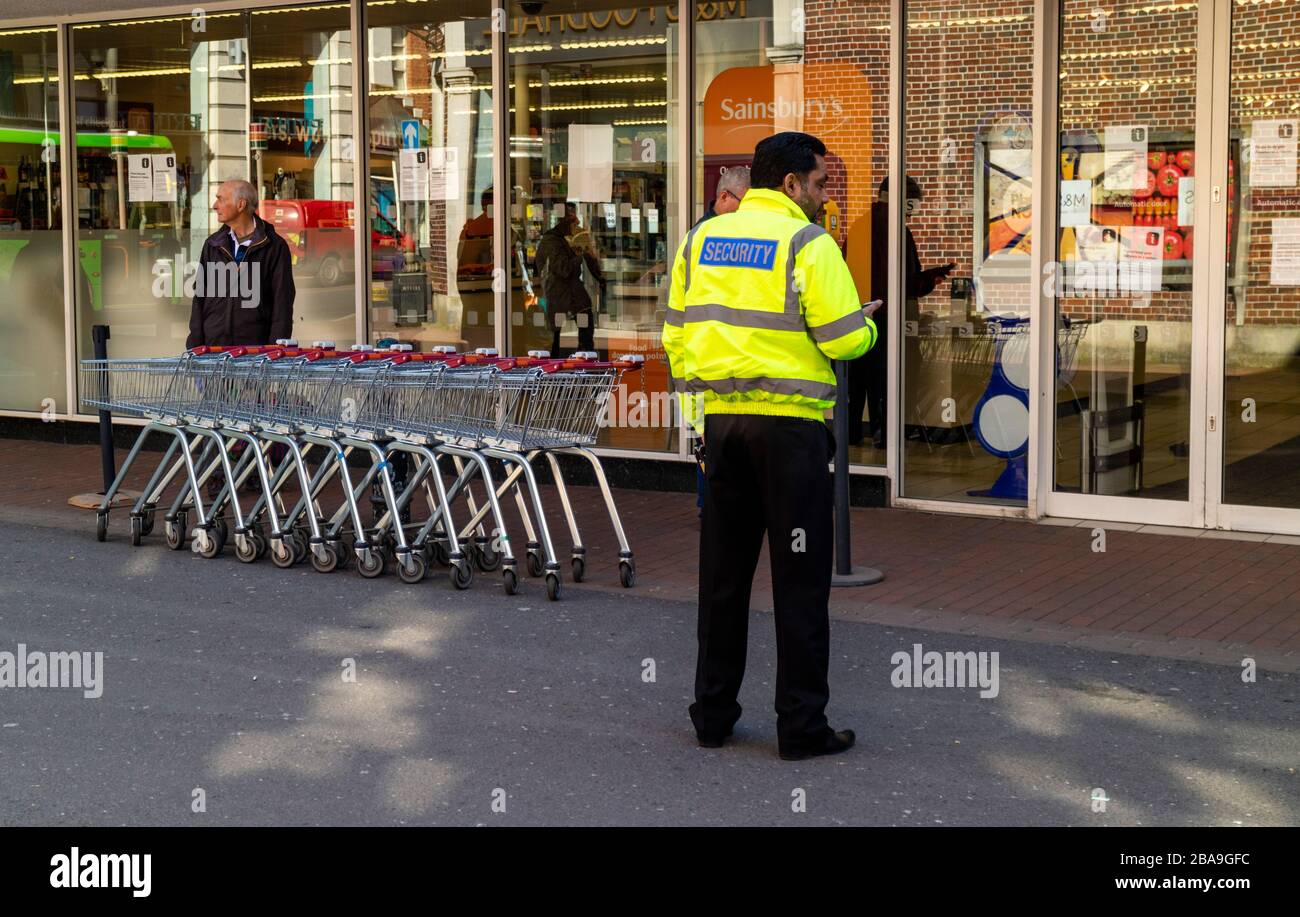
x=1126, y=157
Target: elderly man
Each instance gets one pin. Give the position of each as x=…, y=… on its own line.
x=732, y=186
x=244, y=292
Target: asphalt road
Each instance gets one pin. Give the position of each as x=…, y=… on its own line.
x=229, y=679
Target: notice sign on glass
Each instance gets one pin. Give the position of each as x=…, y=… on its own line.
x=151, y=177
x=1126, y=157
x=1273, y=153
x=591, y=162
x=1285, y=270
x=1076, y=203
x=1142, y=258
x=444, y=174
x=413, y=175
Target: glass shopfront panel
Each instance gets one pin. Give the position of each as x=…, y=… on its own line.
x=302, y=98
x=431, y=154
x=822, y=67
x=1123, y=284
x=157, y=93
x=968, y=157
x=1261, y=300
x=32, y=344
x=163, y=118
x=594, y=116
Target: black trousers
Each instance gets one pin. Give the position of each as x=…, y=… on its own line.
x=765, y=475
x=586, y=322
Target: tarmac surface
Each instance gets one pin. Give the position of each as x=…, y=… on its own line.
x=230, y=679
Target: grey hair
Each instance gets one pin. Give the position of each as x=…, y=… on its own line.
x=241, y=190
x=735, y=180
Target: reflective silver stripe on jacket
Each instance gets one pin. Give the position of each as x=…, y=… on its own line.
x=686, y=253
x=797, y=242
x=845, y=324
x=743, y=318
x=774, y=386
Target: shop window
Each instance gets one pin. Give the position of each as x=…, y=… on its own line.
x=163, y=119
x=595, y=111
x=32, y=366
x=431, y=153
x=965, y=269
x=822, y=67
x=302, y=100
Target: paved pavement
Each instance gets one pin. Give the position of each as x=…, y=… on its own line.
x=1156, y=593
x=229, y=678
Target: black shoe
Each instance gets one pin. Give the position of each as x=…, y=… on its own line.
x=714, y=740
x=831, y=744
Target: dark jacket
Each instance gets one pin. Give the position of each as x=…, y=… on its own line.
x=560, y=269
x=224, y=312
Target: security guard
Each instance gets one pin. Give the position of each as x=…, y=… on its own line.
x=761, y=302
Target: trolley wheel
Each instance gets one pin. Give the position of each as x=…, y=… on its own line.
x=370, y=562
x=487, y=558
x=462, y=574
x=553, y=586
x=339, y=548
x=440, y=553
x=101, y=526
x=579, y=569
x=414, y=569
x=627, y=573
x=535, y=565
x=246, y=548
x=332, y=561
x=212, y=544
x=219, y=525
x=259, y=540
x=147, y=520
x=174, y=531
x=300, y=547
x=137, y=531
x=510, y=580
x=282, y=551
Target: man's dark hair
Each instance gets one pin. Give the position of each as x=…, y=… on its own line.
x=777, y=156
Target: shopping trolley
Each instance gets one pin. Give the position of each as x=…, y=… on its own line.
x=136, y=388
x=552, y=407
x=431, y=406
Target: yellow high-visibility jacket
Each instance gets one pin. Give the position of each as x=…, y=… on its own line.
x=761, y=302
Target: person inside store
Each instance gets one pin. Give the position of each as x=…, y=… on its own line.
x=732, y=185
x=475, y=246
x=563, y=252
x=259, y=310
x=761, y=302
x=869, y=375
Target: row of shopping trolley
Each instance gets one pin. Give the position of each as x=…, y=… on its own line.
x=288, y=426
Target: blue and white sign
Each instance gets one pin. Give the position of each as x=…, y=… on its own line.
x=410, y=135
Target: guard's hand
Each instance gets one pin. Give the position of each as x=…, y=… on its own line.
x=869, y=309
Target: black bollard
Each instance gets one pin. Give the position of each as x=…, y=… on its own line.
x=845, y=573
x=99, y=334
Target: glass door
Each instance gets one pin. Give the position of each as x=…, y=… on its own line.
x=1125, y=282
x=1254, y=307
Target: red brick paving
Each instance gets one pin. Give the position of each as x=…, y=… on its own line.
x=1203, y=598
